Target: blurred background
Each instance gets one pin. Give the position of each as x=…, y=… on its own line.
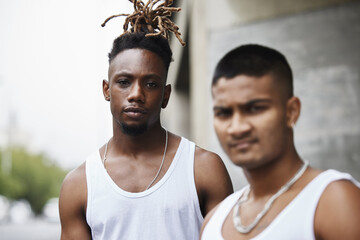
x=53, y=58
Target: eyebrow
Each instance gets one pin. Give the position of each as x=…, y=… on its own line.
x=130, y=75
x=153, y=75
x=265, y=100
x=251, y=102
x=126, y=74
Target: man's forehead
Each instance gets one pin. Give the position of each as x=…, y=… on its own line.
x=137, y=60
x=245, y=82
x=242, y=89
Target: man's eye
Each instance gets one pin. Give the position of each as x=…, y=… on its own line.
x=151, y=84
x=222, y=113
x=123, y=82
x=256, y=108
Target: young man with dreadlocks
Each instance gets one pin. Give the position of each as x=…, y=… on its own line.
x=145, y=182
x=254, y=114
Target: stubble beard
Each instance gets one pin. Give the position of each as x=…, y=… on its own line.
x=133, y=130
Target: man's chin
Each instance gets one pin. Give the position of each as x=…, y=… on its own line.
x=134, y=130
x=244, y=161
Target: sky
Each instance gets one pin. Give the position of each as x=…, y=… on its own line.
x=53, y=58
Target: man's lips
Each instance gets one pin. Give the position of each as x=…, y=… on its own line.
x=241, y=144
x=134, y=112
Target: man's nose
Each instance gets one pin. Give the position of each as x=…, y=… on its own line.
x=136, y=92
x=239, y=125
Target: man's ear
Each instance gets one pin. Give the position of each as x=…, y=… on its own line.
x=166, y=97
x=106, y=90
x=293, y=108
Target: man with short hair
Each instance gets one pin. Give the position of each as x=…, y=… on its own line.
x=254, y=114
x=145, y=182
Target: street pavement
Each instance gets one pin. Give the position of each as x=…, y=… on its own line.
x=36, y=229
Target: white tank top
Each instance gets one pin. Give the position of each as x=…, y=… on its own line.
x=295, y=221
x=168, y=210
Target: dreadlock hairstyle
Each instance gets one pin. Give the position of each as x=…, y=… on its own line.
x=255, y=60
x=149, y=29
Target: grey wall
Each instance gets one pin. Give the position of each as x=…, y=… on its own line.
x=322, y=47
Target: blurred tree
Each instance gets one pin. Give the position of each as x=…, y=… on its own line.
x=33, y=177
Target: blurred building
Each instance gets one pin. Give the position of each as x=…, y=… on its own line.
x=320, y=38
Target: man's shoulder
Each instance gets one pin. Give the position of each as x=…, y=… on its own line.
x=206, y=155
x=76, y=175
x=74, y=187
x=79, y=173
x=332, y=178
x=212, y=179
x=202, y=155
x=341, y=187
x=207, y=161
x=339, y=207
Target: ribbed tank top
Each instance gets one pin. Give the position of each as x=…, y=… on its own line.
x=295, y=221
x=168, y=210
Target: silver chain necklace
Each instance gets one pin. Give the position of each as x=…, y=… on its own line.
x=162, y=161
x=236, y=216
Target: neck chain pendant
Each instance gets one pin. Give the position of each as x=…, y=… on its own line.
x=236, y=216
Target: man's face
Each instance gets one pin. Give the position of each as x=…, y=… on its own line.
x=136, y=88
x=250, y=119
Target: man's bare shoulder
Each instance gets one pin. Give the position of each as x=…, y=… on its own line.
x=75, y=177
x=340, y=195
x=338, y=212
x=74, y=189
x=72, y=205
x=207, y=158
x=209, y=165
x=212, y=179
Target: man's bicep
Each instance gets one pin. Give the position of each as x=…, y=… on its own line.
x=74, y=228
x=72, y=203
x=338, y=213
x=219, y=185
x=213, y=180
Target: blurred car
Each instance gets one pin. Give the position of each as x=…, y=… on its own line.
x=51, y=210
x=20, y=211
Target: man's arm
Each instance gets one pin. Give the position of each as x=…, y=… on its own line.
x=338, y=212
x=72, y=206
x=212, y=180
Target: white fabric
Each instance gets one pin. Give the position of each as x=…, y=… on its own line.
x=168, y=210
x=294, y=222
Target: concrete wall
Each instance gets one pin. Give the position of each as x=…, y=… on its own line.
x=321, y=41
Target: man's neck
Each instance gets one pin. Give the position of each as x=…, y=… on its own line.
x=268, y=179
x=150, y=139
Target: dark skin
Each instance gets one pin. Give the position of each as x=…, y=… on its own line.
x=137, y=91
x=253, y=122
